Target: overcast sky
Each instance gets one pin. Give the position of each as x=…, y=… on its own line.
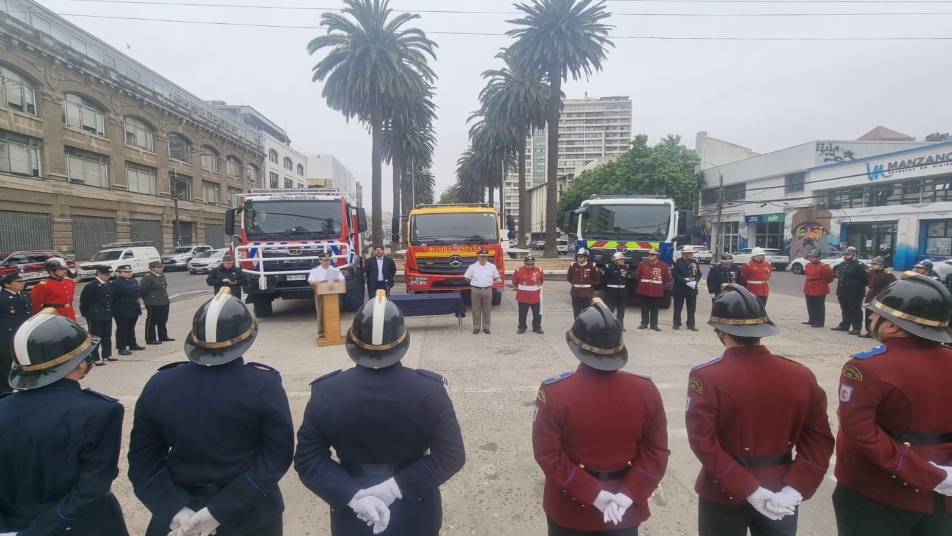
x=766, y=95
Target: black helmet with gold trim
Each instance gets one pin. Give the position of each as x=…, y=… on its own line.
x=918, y=304
x=222, y=331
x=46, y=348
x=596, y=338
x=736, y=311
x=378, y=337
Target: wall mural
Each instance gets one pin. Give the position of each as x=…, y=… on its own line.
x=809, y=230
x=702, y=233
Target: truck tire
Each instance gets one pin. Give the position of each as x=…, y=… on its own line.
x=354, y=297
x=497, y=296
x=262, y=304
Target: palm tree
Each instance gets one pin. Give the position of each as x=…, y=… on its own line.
x=558, y=38
x=373, y=64
x=494, y=152
x=408, y=137
x=470, y=186
x=516, y=100
x=425, y=186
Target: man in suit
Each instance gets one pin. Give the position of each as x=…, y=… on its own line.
x=126, y=310
x=155, y=296
x=95, y=304
x=380, y=271
x=15, y=308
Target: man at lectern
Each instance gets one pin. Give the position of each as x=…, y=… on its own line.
x=325, y=273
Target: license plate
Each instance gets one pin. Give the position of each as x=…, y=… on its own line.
x=300, y=277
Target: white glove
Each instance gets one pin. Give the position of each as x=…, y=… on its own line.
x=944, y=487
x=602, y=502
x=758, y=500
x=372, y=511
x=201, y=523
x=692, y=284
x=387, y=491
x=713, y=296
x=621, y=503
x=180, y=519
x=8, y=534
x=784, y=501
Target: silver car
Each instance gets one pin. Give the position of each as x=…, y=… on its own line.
x=206, y=261
x=777, y=258
x=178, y=257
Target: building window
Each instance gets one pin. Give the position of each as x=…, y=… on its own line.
x=180, y=148
x=728, y=238
x=181, y=186
x=735, y=192
x=273, y=179
x=252, y=174
x=769, y=235
x=273, y=156
x=233, y=194
x=140, y=179
x=233, y=167
x=211, y=193
x=793, y=182
x=138, y=133
x=83, y=113
x=84, y=167
x=288, y=184
x=300, y=170
x=209, y=158
x=16, y=92
x=288, y=164
x=709, y=196
x=19, y=154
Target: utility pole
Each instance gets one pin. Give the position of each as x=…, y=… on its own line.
x=720, y=208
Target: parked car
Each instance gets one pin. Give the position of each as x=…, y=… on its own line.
x=943, y=269
x=206, y=261
x=115, y=255
x=701, y=254
x=833, y=258
x=777, y=258
x=178, y=257
x=562, y=246
x=30, y=264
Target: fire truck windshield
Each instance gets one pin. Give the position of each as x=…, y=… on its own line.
x=456, y=228
x=295, y=220
x=627, y=222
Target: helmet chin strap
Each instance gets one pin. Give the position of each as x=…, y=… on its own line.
x=879, y=322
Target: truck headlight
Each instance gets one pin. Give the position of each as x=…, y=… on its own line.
x=418, y=280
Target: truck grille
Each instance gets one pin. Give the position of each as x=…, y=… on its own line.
x=445, y=265
x=286, y=265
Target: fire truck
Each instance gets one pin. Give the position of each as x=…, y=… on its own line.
x=442, y=242
x=279, y=235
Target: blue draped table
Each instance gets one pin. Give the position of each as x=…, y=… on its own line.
x=438, y=303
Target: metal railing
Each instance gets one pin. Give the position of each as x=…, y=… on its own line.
x=243, y=254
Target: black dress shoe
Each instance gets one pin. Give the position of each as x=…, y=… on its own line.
x=642, y=327
x=475, y=332
x=808, y=323
x=539, y=331
x=520, y=331
x=692, y=328
x=137, y=347
x=99, y=363
x=839, y=328
x=655, y=328
x=486, y=331
x=865, y=336
x=167, y=339
x=124, y=352
x=110, y=358
x=153, y=342
x=816, y=325
x=675, y=327
x=855, y=332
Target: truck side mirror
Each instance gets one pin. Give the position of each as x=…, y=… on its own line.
x=395, y=230
x=230, y=222
x=361, y=220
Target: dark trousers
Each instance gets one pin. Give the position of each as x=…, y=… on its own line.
x=816, y=310
x=103, y=330
x=679, y=302
x=6, y=363
x=578, y=304
x=126, y=332
x=558, y=530
x=714, y=519
x=536, y=315
x=649, y=310
x=763, y=300
x=852, y=311
x=857, y=515
x=616, y=301
x=374, y=286
x=156, y=316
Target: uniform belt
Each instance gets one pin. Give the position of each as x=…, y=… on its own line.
x=57, y=305
x=530, y=288
x=480, y=288
x=202, y=490
x=374, y=470
x=916, y=438
x=582, y=286
x=616, y=286
x=756, y=283
x=762, y=462
x=24, y=510
x=607, y=476
x=651, y=281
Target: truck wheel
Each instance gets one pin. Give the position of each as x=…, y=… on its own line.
x=497, y=297
x=263, y=306
x=354, y=297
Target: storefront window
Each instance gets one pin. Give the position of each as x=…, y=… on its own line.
x=873, y=239
x=728, y=237
x=769, y=235
x=938, y=238
x=913, y=191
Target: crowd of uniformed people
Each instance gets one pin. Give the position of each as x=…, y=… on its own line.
x=212, y=436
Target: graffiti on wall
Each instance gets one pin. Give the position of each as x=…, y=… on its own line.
x=831, y=152
x=702, y=233
x=809, y=230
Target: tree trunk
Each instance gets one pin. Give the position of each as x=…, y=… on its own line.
x=406, y=192
x=376, y=180
x=523, y=196
x=397, y=176
x=552, y=163
x=491, y=196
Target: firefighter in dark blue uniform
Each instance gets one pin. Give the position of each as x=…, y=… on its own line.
x=615, y=278
x=59, y=452
x=393, y=428
x=725, y=273
x=95, y=304
x=126, y=310
x=212, y=436
x=15, y=308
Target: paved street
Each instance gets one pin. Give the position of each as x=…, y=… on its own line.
x=493, y=381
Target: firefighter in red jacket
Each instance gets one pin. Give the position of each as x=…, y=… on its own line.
x=652, y=275
x=56, y=291
x=816, y=286
x=756, y=274
x=528, y=283
x=599, y=434
x=747, y=411
x=894, y=448
x=583, y=276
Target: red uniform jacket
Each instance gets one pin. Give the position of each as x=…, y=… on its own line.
x=756, y=275
x=900, y=387
x=818, y=278
x=652, y=278
x=877, y=280
x=528, y=284
x=586, y=276
x=753, y=404
x=54, y=292
x=572, y=428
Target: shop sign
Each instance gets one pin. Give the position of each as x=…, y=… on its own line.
x=763, y=218
x=886, y=170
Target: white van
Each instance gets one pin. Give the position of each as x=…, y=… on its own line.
x=138, y=255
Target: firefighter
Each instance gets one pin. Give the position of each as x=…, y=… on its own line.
x=15, y=308
x=55, y=291
x=756, y=273
x=879, y=278
x=687, y=273
x=850, y=289
x=926, y=268
x=615, y=278
x=527, y=281
x=894, y=448
x=816, y=285
x=652, y=275
x=724, y=273
x=583, y=276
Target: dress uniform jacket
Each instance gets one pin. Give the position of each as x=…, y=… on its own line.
x=718, y=276
x=746, y=411
x=234, y=273
x=55, y=293
x=95, y=301
x=877, y=280
x=125, y=298
x=218, y=437
x=894, y=420
x=583, y=278
x=852, y=279
x=652, y=278
x=573, y=433
x=59, y=454
x=684, y=271
x=818, y=277
x=380, y=423
x=756, y=276
x=615, y=279
x=15, y=308
x=154, y=289
x=528, y=284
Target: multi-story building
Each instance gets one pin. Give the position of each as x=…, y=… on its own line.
x=589, y=129
x=326, y=171
x=96, y=147
x=285, y=167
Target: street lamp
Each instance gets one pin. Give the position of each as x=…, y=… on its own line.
x=715, y=236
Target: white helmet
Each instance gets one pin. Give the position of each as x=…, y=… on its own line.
x=618, y=255
x=581, y=251
x=757, y=251
x=687, y=249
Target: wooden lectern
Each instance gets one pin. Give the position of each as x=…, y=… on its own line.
x=326, y=294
